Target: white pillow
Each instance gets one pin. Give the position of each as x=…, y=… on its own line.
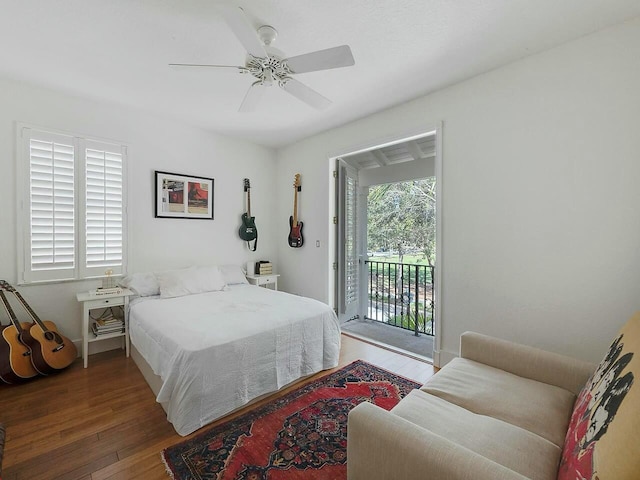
x=233, y=274
x=142, y=284
x=176, y=283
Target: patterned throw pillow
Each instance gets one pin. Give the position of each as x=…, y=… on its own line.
x=603, y=440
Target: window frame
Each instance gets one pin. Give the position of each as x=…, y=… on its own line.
x=24, y=133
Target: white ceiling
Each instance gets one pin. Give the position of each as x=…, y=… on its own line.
x=118, y=51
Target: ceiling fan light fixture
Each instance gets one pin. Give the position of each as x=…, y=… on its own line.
x=267, y=79
x=267, y=34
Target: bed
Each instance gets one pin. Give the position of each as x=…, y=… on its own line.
x=207, y=354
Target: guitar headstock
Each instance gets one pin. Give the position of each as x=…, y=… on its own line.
x=296, y=181
x=4, y=285
x=247, y=186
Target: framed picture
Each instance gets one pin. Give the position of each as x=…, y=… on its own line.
x=183, y=196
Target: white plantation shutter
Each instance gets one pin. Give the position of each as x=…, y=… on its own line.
x=51, y=206
x=104, y=232
x=348, y=242
x=351, y=244
x=72, y=214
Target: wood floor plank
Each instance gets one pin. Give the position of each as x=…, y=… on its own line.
x=139, y=462
x=103, y=423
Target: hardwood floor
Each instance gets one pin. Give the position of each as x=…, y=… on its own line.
x=103, y=422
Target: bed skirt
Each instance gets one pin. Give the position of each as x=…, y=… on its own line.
x=155, y=382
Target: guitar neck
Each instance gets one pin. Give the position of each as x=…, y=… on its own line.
x=28, y=308
x=10, y=312
x=295, y=206
x=249, y=202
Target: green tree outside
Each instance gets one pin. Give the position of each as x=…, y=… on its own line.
x=402, y=221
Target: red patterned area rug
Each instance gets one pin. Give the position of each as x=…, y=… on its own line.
x=300, y=435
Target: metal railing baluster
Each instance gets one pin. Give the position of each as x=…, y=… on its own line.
x=413, y=279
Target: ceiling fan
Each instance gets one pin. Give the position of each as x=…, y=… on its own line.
x=269, y=65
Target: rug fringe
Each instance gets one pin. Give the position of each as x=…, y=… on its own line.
x=166, y=466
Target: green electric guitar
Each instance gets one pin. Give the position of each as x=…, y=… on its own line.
x=248, y=231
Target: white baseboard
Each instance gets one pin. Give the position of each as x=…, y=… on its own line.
x=442, y=357
x=78, y=344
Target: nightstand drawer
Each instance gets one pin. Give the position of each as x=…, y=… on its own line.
x=105, y=302
x=266, y=279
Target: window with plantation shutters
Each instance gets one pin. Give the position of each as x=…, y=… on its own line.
x=72, y=216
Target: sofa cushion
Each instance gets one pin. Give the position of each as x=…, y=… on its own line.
x=513, y=447
x=603, y=439
x=537, y=407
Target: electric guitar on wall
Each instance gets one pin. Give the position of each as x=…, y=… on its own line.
x=248, y=230
x=50, y=351
x=295, y=226
x=15, y=356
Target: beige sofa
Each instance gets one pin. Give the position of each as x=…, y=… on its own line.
x=499, y=411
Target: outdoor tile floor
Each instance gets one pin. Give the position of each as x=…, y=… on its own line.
x=396, y=337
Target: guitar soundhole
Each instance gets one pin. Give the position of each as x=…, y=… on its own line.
x=49, y=335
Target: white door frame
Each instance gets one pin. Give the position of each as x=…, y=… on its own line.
x=389, y=140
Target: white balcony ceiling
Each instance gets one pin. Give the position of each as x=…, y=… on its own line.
x=118, y=51
x=417, y=149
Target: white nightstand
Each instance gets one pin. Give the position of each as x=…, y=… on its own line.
x=267, y=281
x=91, y=301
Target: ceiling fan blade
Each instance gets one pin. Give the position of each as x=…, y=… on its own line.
x=335, y=57
x=252, y=98
x=203, y=65
x=239, y=24
x=306, y=94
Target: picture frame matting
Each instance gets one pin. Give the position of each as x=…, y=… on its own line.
x=183, y=196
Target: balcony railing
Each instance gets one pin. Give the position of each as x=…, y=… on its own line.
x=401, y=295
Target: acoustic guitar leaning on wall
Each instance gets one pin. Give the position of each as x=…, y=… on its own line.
x=50, y=351
x=15, y=356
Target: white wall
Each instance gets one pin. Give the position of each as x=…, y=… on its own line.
x=154, y=144
x=541, y=230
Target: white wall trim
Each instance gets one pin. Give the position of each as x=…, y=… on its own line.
x=437, y=287
x=384, y=141
x=442, y=357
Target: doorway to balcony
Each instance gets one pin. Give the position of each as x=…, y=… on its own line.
x=386, y=241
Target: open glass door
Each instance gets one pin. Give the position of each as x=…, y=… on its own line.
x=348, y=242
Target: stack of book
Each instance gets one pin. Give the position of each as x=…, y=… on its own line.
x=107, y=291
x=107, y=326
x=264, y=267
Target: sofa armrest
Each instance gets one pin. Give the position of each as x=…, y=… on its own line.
x=529, y=362
x=382, y=446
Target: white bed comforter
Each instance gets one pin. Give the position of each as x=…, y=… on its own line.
x=218, y=351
